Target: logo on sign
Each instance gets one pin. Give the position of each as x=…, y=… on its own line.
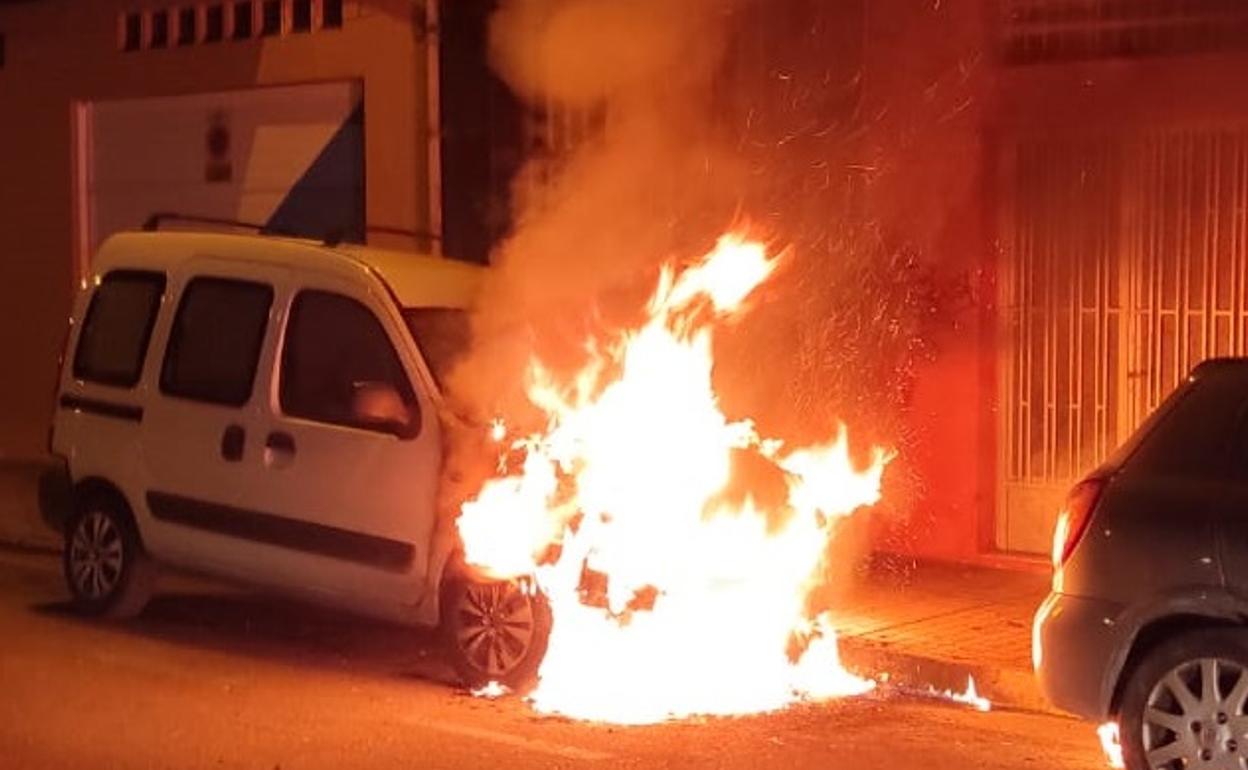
x=218, y=167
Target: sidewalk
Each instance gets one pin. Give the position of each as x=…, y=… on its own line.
x=20, y=522
x=930, y=624
x=923, y=624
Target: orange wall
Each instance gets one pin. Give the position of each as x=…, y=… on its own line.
x=937, y=110
x=924, y=86
x=63, y=51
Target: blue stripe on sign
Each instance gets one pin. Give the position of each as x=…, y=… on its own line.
x=328, y=200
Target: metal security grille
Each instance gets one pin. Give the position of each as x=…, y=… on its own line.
x=1186, y=253
x=553, y=133
x=1063, y=299
x=1034, y=31
x=1126, y=265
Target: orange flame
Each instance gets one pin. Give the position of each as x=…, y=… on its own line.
x=629, y=478
x=968, y=697
x=1111, y=744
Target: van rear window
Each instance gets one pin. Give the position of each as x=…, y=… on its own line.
x=118, y=327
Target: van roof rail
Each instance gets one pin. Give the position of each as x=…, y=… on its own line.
x=158, y=218
x=333, y=237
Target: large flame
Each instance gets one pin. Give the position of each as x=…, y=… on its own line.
x=631, y=479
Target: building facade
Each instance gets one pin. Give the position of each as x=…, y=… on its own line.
x=307, y=116
x=1076, y=169
x=1123, y=210
x=1089, y=160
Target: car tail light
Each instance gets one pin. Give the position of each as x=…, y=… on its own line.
x=1072, y=522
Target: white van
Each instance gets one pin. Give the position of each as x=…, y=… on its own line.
x=268, y=410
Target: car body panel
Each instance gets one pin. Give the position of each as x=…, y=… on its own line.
x=415, y=280
x=302, y=528
x=1076, y=682
x=1233, y=530
x=181, y=441
x=419, y=280
x=1081, y=645
x=1163, y=548
x=1118, y=559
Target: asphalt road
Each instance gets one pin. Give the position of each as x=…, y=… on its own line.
x=214, y=677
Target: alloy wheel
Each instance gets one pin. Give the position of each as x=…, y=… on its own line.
x=496, y=626
x=1194, y=717
x=96, y=556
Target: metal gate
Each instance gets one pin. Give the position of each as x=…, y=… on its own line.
x=1126, y=263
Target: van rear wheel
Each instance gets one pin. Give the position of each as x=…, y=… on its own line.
x=106, y=568
x=496, y=631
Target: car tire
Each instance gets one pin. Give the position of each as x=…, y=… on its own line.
x=1170, y=719
x=495, y=631
x=107, y=570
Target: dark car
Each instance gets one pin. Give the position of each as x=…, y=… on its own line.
x=1147, y=622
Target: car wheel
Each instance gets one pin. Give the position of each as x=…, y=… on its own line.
x=496, y=631
x=106, y=568
x=1184, y=706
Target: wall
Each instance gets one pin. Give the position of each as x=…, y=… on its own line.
x=940, y=113
x=1131, y=168
x=60, y=52
x=926, y=82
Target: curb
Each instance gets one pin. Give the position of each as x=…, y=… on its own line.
x=25, y=546
x=907, y=672
x=34, y=503
x=1006, y=688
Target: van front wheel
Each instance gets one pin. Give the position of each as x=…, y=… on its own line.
x=496, y=631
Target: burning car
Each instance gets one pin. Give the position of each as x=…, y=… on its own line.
x=269, y=410
x=672, y=542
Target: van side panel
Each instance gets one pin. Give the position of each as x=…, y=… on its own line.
x=98, y=419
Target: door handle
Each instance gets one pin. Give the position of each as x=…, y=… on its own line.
x=232, y=442
x=280, y=441
x=279, y=449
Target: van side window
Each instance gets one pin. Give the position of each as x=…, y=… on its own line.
x=118, y=327
x=216, y=339
x=333, y=346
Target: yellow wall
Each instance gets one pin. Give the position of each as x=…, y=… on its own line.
x=64, y=51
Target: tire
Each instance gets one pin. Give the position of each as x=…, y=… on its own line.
x=1171, y=717
x=495, y=631
x=106, y=569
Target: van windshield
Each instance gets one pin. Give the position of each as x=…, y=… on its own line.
x=442, y=334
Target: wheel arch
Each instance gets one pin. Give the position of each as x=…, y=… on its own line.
x=103, y=490
x=1155, y=633
x=446, y=562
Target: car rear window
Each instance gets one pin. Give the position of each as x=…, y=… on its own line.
x=1197, y=436
x=118, y=328
x=215, y=342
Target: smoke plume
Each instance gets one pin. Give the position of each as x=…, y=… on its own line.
x=646, y=179
x=659, y=123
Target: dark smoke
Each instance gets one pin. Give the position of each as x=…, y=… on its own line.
x=707, y=114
